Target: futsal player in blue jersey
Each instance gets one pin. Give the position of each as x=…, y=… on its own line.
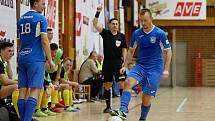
x=34, y=52
x=150, y=66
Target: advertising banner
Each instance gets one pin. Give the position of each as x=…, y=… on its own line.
x=87, y=37
x=177, y=9
x=8, y=28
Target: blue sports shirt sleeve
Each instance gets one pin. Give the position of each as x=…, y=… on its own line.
x=133, y=39
x=164, y=40
x=44, y=25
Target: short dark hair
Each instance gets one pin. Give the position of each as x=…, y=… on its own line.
x=144, y=11
x=113, y=20
x=53, y=46
x=4, y=45
x=32, y=2
x=49, y=29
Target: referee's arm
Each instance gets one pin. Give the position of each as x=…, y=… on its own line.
x=96, y=24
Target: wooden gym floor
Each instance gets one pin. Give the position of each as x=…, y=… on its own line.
x=171, y=104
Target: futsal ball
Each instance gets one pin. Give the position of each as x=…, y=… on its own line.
x=114, y=118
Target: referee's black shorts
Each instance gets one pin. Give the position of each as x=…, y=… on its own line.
x=112, y=68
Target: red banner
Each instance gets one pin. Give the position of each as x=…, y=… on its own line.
x=51, y=13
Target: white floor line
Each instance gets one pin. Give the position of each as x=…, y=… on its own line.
x=181, y=105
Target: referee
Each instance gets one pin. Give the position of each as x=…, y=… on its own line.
x=114, y=55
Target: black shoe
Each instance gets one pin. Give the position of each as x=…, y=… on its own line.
x=103, y=98
x=107, y=110
x=34, y=119
x=117, y=95
x=119, y=113
x=142, y=119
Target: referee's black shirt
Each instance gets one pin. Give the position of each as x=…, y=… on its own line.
x=113, y=45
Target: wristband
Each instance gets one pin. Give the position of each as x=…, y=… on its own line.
x=97, y=14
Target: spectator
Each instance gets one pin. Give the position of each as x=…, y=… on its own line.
x=86, y=75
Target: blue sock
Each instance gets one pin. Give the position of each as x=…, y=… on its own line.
x=21, y=106
x=30, y=108
x=144, y=111
x=125, y=99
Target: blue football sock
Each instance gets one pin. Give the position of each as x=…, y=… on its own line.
x=125, y=99
x=21, y=106
x=30, y=108
x=144, y=111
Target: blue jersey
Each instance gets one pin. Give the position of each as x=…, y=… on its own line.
x=30, y=26
x=149, y=49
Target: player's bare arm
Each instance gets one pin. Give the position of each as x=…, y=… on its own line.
x=46, y=47
x=58, y=71
x=128, y=59
x=9, y=70
x=168, y=57
x=124, y=54
x=6, y=81
x=129, y=55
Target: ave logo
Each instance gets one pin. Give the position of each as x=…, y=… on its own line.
x=188, y=9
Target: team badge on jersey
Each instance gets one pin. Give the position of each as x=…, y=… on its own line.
x=152, y=40
x=118, y=43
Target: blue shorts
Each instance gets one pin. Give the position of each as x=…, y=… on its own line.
x=149, y=79
x=31, y=75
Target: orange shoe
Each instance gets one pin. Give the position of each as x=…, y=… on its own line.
x=62, y=102
x=59, y=105
x=57, y=110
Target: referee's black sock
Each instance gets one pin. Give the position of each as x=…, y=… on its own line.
x=120, y=91
x=107, y=96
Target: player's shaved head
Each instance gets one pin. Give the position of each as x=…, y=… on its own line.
x=145, y=11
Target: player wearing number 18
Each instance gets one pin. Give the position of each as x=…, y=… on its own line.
x=34, y=50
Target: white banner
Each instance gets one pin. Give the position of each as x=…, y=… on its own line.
x=111, y=8
x=122, y=17
x=177, y=9
x=8, y=28
x=87, y=37
x=24, y=6
x=52, y=18
x=135, y=14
